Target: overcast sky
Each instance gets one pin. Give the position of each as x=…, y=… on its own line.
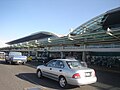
x=20, y=18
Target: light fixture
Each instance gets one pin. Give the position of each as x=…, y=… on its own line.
x=36, y=42
x=109, y=33
x=108, y=29
x=69, y=37
x=49, y=40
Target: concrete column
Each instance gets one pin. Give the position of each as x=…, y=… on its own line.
x=35, y=50
x=61, y=54
x=84, y=53
x=83, y=56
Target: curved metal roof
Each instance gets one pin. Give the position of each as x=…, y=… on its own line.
x=99, y=23
x=35, y=36
x=112, y=18
x=94, y=31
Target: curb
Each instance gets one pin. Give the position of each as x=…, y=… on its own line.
x=105, y=69
x=31, y=65
x=109, y=71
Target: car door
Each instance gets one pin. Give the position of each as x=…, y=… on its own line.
x=57, y=70
x=48, y=70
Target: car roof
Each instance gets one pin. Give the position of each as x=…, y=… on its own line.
x=71, y=59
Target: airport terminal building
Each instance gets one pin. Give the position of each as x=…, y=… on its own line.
x=97, y=39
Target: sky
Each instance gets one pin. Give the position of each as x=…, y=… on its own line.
x=20, y=18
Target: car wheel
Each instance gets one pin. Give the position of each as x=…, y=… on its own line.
x=39, y=73
x=62, y=82
x=6, y=61
x=23, y=63
x=10, y=62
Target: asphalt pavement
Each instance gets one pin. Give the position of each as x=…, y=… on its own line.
x=23, y=77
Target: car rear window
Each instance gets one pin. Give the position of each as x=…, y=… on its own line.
x=74, y=64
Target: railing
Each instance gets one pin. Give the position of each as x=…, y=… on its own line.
x=87, y=47
x=74, y=48
x=104, y=46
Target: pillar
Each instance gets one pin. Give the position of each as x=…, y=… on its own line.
x=61, y=54
x=83, y=56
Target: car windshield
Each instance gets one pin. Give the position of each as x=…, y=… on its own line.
x=16, y=53
x=74, y=64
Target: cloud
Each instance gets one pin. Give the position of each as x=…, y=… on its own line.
x=2, y=43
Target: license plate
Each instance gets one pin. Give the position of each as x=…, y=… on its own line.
x=19, y=61
x=88, y=74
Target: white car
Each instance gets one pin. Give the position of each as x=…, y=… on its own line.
x=67, y=71
x=16, y=57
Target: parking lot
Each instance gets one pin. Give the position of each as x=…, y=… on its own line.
x=22, y=77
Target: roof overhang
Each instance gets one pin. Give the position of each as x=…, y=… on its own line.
x=36, y=36
x=112, y=17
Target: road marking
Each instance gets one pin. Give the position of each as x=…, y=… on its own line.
x=32, y=88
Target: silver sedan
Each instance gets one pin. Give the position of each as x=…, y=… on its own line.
x=67, y=72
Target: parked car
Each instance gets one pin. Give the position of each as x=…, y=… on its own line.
x=16, y=57
x=67, y=71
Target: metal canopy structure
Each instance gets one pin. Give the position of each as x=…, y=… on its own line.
x=36, y=36
x=104, y=28
x=100, y=23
